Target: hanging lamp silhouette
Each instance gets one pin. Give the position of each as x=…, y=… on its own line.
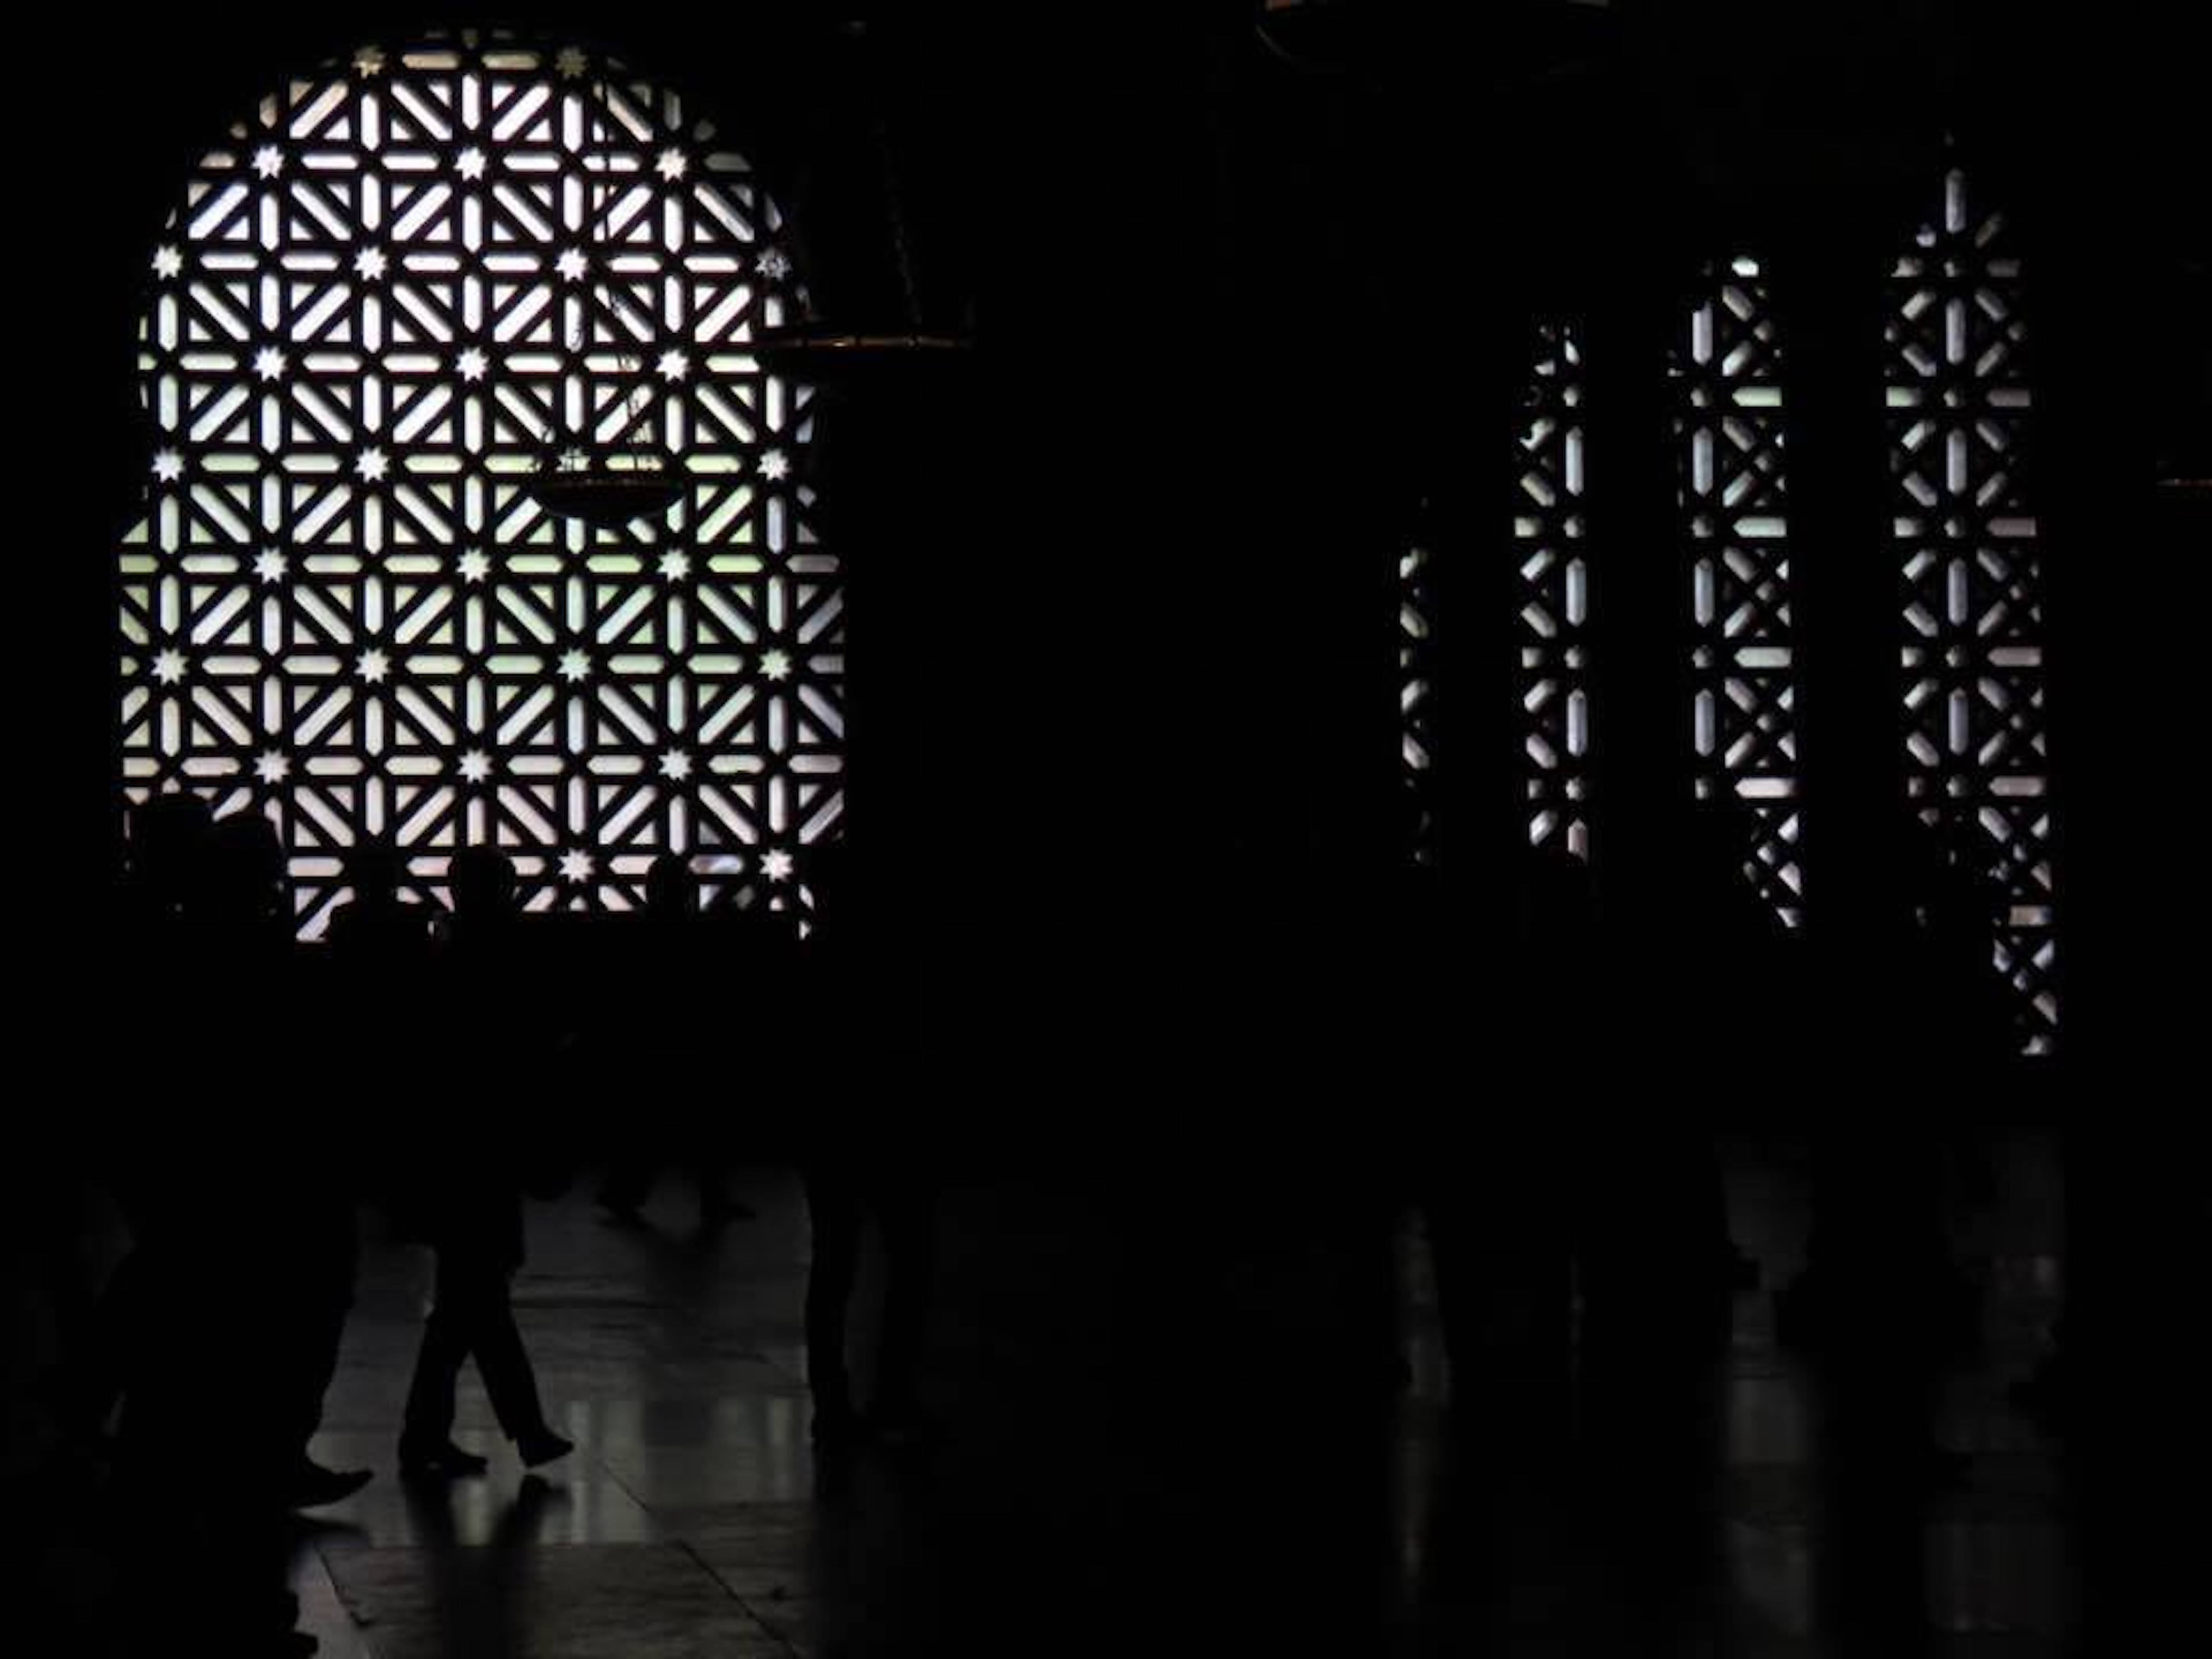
x=606, y=486
x=827, y=355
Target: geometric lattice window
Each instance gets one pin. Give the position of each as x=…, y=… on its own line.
x=1975, y=738
x=377, y=310
x=1553, y=587
x=1417, y=693
x=1727, y=422
x=1548, y=528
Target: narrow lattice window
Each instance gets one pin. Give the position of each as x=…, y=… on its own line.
x=1553, y=590
x=393, y=298
x=1974, y=725
x=1729, y=428
x=1417, y=693
x=1548, y=528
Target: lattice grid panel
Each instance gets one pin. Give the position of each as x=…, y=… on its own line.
x=1732, y=497
x=1417, y=693
x=1548, y=530
x=381, y=307
x=1975, y=732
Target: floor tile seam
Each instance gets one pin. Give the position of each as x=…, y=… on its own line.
x=724, y=1584
x=360, y=1631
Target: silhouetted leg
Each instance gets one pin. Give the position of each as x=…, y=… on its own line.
x=159, y=1401
x=213, y=1538
x=503, y=1362
x=1877, y=1452
x=909, y=1251
x=322, y=1296
x=1731, y=1270
x=1506, y=1246
x=446, y=1335
x=218, y=1558
x=1366, y=1243
x=1879, y=1258
x=110, y=1336
x=1648, y=1311
x=833, y=1213
x=1458, y=1284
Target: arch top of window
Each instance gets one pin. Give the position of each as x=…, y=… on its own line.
x=479, y=98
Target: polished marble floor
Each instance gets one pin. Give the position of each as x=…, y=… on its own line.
x=1158, y=1432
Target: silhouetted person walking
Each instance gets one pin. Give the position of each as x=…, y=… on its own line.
x=682, y=957
x=1503, y=1226
x=856, y=1169
x=1878, y=1269
x=238, y=1271
x=467, y=1199
x=473, y=1214
x=308, y=1232
x=164, y=866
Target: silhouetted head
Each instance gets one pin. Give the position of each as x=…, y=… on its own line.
x=374, y=871
x=246, y=870
x=168, y=837
x=672, y=891
x=483, y=884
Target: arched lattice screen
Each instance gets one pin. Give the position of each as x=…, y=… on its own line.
x=1975, y=736
x=1548, y=528
x=379, y=308
x=1728, y=424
